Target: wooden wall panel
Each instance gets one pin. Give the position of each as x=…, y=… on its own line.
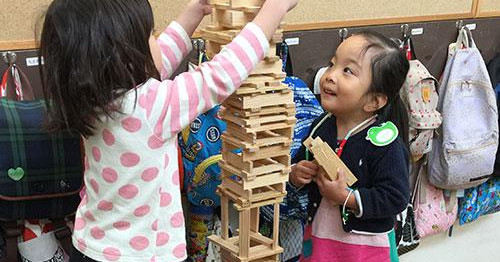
x=18, y=18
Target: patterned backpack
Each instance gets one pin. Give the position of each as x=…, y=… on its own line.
x=420, y=97
x=200, y=145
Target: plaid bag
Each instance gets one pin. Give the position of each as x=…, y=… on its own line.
x=40, y=173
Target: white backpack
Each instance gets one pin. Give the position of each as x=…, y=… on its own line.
x=463, y=152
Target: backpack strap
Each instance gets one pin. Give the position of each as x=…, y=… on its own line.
x=22, y=86
x=200, y=169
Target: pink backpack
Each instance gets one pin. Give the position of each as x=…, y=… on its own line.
x=434, y=213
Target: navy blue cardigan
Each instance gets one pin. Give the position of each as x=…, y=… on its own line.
x=382, y=173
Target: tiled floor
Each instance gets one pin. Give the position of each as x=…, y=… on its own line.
x=475, y=242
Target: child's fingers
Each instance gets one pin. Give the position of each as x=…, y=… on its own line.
x=340, y=174
x=310, y=165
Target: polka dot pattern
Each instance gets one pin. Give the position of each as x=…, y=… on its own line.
x=175, y=178
x=132, y=124
x=154, y=142
x=177, y=219
x=105, y=205
x=121, y=225
x=89, y=216
x=165, y=199
x=79, y=223
x=139, y=243
x=162, y=239
x=128, y=191
x=129, y=159
x=142, y=211
x=108, y=137
x=94, y=185
x=96, y=153
x=82, y=245
x=109, y=175
x=111, y=253
x=180, y=251
x=97, y=233
x=150, y=174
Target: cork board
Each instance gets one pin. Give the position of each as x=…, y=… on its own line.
x=339, y=10
x=488, y=8
x=19, y=17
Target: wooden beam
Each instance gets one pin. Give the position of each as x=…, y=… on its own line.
x=475, y=7
x=31, y=44
x=379, y=21
x=17, y=45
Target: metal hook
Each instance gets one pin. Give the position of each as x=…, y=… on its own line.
x=9, y=57
x=343, y=34
x=199, y=45
x=404, y=30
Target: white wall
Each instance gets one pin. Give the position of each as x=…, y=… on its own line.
x=478, y=241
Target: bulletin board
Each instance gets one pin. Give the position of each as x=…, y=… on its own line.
x=19, y=18
x=487, y=8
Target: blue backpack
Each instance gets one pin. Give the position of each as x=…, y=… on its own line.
x=200, y=145
x=307, y=108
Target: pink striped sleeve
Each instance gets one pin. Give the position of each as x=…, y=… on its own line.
x=174, y=44
x=182, y=99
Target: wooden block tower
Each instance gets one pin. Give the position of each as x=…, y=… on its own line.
x=255, y=163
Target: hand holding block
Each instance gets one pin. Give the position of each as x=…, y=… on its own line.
x=328, y=160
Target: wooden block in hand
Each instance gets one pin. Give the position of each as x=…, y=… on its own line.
x=328, y=160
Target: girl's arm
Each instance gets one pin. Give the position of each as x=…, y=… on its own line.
x=192, y=15
x=177, y=103
x=390, y=191
x=175, y=42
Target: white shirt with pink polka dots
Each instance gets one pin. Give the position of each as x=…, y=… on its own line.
x=131, y=209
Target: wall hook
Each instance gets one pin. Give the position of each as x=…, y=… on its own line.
x=9, y=57
x=404, y=31
x=343, y=34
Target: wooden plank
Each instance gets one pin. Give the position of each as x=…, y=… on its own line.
x=244, y=237
x=258, y=137
x=272, y=99
x=257, y=89
x=257, y=122
x=265, y=67
x=271, y=110
x=328, y=160
x=276, y=226
x=233, y=19
x=260, y=181
x=224, y=217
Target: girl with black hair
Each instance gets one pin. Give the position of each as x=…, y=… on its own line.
x=366, y=124
x=105, y=76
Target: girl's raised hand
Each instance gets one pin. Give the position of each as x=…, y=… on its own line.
x=204, y=6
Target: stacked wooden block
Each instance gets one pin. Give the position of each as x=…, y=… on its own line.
x=255, y=163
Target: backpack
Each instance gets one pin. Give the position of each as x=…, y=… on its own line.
x=200, y=145
x=463, y=154
x=420, y=98
x=307, y=109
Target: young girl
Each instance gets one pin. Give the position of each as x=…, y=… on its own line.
x=105, y=76
x=366, y=125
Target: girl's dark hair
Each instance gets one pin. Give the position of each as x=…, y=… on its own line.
x=389, y=69
x=94, y=51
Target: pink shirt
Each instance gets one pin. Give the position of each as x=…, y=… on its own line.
x=131, y=210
